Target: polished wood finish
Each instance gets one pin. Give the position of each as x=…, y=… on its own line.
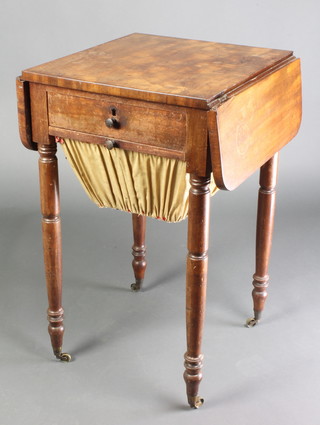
x=51, y=232
x=121, y=144
x=139, y=263
x=158, y=69
x=197, y=142
x=257, y=88
x=219, y=107
x=39, y=115
x=24, y=114
x=252, y=124
x=196, y=282
x=138, y=122
x=265, y=222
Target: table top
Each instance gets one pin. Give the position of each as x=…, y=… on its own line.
x=159, y=69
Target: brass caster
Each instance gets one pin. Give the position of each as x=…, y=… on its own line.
x=250, y=323
x=135, y=287
x=64, y=357
x=195, y=402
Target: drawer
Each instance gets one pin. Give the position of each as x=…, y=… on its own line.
x=119, y=119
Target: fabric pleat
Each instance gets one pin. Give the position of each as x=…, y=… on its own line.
x=132, y=181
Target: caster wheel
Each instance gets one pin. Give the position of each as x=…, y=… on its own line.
x=196, y=402
x=135, y=287
x=250, y=323
x=64, y=357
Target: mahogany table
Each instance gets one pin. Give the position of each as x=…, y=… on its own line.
x=213, y=107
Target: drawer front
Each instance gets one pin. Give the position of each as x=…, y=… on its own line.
x=136, y=122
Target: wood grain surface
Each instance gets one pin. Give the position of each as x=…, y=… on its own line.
x=51, y=236
x=264, y=232
x=137, y=122
x=158, y=69
x=24, y=114
x=248, y=128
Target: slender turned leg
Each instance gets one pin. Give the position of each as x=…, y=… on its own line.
x=265, y=220
x=196, y=283
x=51, y=233
x=139, y=263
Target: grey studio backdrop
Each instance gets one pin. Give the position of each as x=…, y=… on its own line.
x=128, y=347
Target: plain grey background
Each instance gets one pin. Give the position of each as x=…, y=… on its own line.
x=128, y=347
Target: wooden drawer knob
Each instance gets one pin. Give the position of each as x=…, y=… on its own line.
x=110, y=144
x=112, y=123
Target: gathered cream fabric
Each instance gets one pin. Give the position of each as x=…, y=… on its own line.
x=132, y=181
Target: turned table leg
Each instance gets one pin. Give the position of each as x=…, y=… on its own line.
x=51, y=233
x=265, y=221
x=196, y=283
x=139, y=263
